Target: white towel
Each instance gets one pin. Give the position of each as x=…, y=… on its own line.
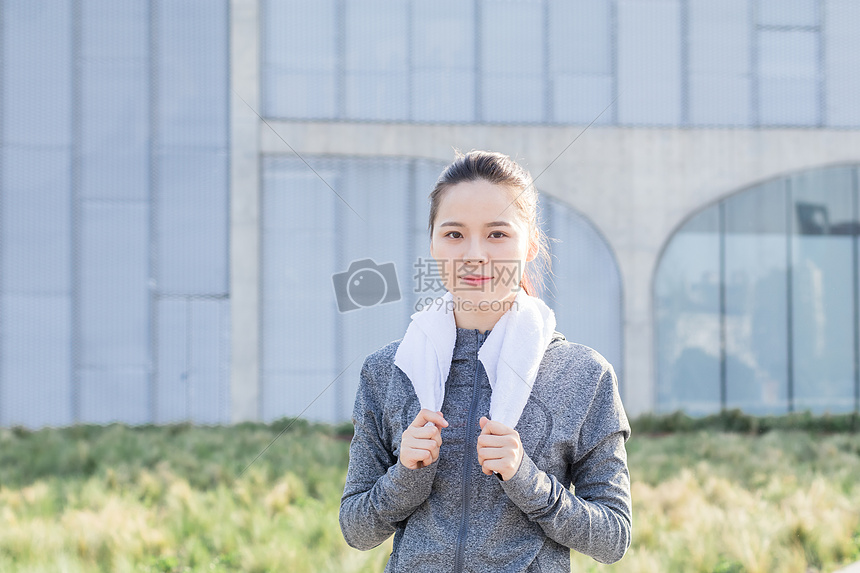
x=511, y=354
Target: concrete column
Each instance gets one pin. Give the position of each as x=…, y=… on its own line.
x=244, y=210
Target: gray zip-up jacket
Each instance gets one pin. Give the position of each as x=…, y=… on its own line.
x=449, y=516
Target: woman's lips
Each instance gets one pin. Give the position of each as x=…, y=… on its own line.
x=474, y=280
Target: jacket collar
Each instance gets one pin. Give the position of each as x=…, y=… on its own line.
x=469, y=342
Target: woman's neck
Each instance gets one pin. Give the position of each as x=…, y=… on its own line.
x=483, y=321
x=471, y=316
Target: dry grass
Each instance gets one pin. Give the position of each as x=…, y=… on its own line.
x=150, y=499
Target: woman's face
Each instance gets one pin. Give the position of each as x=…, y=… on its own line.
x=480, y=242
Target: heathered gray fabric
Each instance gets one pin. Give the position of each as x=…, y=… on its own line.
x=573, y=431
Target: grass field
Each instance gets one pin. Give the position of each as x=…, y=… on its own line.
x=168, y=499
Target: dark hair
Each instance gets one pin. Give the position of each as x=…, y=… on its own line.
x=500, y=169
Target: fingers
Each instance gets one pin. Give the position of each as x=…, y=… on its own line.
x=426, y=415
x=499, y=449
x=502, y=467
x=495, y=441
x=493, y=427
x=424, y=432
x=418, y=453
x=428, y=445
x=495, y=452
x=502, y=461
x=416, y=458
x=421, y=441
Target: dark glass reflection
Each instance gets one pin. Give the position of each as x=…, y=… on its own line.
x=822, y=290
x=688, y=318
x=756, y=301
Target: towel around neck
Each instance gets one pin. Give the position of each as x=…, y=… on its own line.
x=511, y=354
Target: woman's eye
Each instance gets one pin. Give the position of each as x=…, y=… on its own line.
x=498, y=233
x=449, y=233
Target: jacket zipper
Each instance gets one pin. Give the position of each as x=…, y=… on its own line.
x=467, y=464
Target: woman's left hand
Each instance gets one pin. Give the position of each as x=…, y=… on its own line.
x=499, y=448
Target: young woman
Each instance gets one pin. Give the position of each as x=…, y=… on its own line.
x=472, y=428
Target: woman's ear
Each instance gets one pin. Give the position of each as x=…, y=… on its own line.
x=534, y=246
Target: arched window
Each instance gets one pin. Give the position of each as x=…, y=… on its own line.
x=756, y=300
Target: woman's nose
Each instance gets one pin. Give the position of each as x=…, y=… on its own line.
x=475, y=253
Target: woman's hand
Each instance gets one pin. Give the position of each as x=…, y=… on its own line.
x=499, y=448
x=419, y=445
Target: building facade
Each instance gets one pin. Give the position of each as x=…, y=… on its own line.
x=183, y=184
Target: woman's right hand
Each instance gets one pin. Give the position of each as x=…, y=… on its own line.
x=419, y=445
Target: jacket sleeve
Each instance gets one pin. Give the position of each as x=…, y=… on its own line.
x=595, y=520
x=379, y=491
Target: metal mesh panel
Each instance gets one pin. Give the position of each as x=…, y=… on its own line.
x=703, y=63
x=114, y=203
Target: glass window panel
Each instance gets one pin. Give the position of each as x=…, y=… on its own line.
x=842, y=50
x=788, y=12
x=580, y=37
x=822, y=290
x=687, y=300
x=823, y=223
x=649, y=62
x=756, y=304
